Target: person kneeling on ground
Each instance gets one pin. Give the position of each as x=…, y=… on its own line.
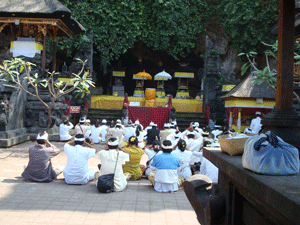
x=78, y=152
x=39, y=168
x=111, y=162
x=165, y=179
x=133, y=166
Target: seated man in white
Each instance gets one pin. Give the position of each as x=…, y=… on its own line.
x=111, y=162
x=64, y=129
x=96, y=132
x=78, y=153
x=256, y=125
x=185, y=158
x=166, y=165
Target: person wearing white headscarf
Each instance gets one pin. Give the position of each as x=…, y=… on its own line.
x=163, y=134
x=111, y=162
x=39, y=168
x=165, y=179
x=95, y=133
x=78, y=153
x=104, y=128
x=64, y=129
x=256, y=125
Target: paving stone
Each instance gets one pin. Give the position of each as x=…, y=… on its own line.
x=58, y=203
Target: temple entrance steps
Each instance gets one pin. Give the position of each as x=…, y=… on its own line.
x=185, y=118
x=108, y=114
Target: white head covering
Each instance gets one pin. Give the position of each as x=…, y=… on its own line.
x=113, y=143
x=104, y=121
x=152, y=124
x=88, y=120
x=42, y=137
x=79, y=139
x=196, y=124
x=137, y=122
x=82, y=120
x=166, y=146
x=258, y=113
x=118, y=121
x=166, y=125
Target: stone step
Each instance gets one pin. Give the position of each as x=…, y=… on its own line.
x=108, y=114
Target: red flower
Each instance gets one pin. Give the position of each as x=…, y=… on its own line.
x=227, y=19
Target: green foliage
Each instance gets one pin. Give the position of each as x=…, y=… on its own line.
x=11, y=70
x=171, y=26
x=248, y=22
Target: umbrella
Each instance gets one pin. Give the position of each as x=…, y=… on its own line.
x=163, y=76
x=143, y=75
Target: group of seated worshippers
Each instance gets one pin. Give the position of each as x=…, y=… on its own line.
x=173, y=155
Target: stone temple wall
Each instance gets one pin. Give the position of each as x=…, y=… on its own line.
x=219, y=69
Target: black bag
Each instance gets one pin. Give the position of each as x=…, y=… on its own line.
x=105, y=183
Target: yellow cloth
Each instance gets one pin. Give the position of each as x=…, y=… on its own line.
x=133, y=166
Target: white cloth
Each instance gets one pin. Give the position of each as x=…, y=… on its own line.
x=64, y=131
x=150, y=154
x=193, y=145
x=256, y=125
x=95, y=134
x=216, y=133
x=76, y=170
x=103, y=132
x=82, y=129
x=207, y=168
x=129, y=131
x=166, y=177
x=185, y=158
x=118, y=133
x=108, y=163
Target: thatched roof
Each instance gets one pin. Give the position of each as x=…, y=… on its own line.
x=247, y=89
x=40, y=9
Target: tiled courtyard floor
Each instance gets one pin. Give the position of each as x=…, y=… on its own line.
x=58, y=203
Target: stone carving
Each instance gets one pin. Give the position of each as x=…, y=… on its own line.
x=4, y=111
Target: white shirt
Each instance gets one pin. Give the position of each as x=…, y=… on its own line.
x=255, y=125
x=185, y=158
x=103, y=132
x=129, y=131
x=76, y=170
x=108, y=163
x=95, y=134
x=64, y=131
x=82, y=129
x=118, y=133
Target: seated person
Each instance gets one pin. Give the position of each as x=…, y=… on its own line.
x=165, y=179
x=39, y=168
x=82, y=127
x=64, y=129
x=111, y=161
x=133, y=166
x=206, y=167
x=96, y=132
x=185, y=158
x=78, y=152
x=152, y=151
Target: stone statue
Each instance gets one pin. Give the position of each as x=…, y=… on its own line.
x=4, y=111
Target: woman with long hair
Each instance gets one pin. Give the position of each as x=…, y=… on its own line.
x=133, y=166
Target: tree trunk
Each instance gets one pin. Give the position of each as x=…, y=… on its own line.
x=49, y=119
